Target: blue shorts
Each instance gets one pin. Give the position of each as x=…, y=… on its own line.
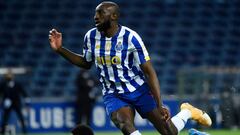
x=141, y=100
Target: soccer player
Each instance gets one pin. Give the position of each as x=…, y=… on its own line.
x=129, y=81
x=12, y=94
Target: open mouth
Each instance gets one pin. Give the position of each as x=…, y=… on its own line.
x=97, y=23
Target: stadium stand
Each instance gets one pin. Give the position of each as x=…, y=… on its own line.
x=177, y=34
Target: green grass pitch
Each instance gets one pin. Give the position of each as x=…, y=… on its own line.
x=211, y=132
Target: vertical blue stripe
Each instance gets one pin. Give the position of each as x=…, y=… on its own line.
x=112, y=54
x=134, y=68
x=137, y=72
x=124, y=55
x=104, y=83
x=141, y=75
x=130, y=60
x=85, y=40
x=85, y=47
x=134, y=84
x=93, y=41
x=124, y=87
x=139, y=49
x=102, y=55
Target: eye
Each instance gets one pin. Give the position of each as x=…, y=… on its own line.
x=102, y=12
x=99, y=11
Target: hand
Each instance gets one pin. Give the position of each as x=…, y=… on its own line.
x=55, y=39
x=165, y=113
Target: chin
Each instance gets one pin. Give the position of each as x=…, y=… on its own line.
x=103, y=26
x=99, y=29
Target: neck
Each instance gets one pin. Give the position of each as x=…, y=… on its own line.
x=110, y=32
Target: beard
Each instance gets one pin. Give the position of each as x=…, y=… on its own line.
x=104, y=26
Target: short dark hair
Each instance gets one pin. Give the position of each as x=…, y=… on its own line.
x=82, y=130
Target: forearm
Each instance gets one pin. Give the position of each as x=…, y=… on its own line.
x=154, y=87
x=152, y=80
x=74, y=58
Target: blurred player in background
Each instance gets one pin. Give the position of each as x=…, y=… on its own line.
x=82, y=130
x=12, y=93
x=85, y=99
x=129, y=81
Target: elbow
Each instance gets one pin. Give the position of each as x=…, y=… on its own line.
x=85, y=66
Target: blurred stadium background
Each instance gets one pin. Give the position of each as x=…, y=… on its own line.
x=194, y=46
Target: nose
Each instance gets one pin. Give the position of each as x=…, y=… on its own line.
x=96, y=17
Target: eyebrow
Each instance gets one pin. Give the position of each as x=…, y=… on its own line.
x=100, y=10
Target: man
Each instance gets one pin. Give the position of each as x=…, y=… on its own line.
x=12, y=93
x=126, y=73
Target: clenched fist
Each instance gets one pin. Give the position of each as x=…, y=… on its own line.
x=166, y=114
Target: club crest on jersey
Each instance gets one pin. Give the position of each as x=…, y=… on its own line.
x=119, y=47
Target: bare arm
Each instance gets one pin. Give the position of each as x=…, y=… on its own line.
x=55, y=39
x=74, y=58
x=153, y=83
x=152, y=80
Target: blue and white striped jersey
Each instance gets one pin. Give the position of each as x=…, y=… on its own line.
x=117, y=59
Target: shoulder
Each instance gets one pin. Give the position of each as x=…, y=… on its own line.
x=132, y=33
x=93, y=34
x=87, y=35
x=134, y=37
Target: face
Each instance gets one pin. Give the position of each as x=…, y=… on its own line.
x=9, y=76
x=102, y=17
